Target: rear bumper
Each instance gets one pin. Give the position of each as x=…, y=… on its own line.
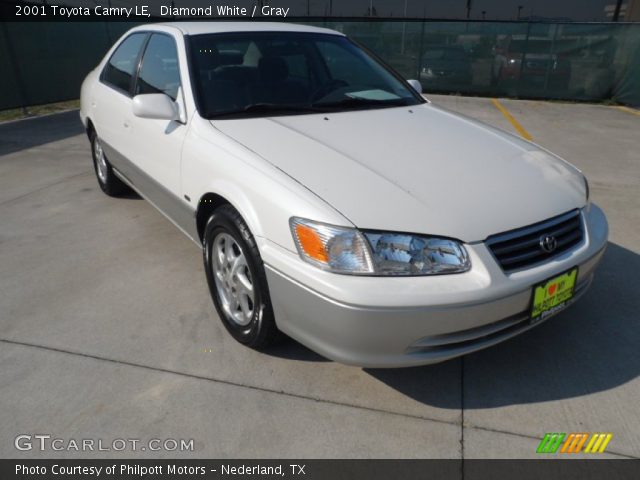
x=432, y=322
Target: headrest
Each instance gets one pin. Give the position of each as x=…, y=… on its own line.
x=231, y=58
x=273, y=69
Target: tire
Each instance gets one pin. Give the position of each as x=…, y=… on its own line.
x=232, y=263
x=109, y=183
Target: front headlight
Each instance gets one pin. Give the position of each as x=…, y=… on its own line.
x=338, y=249
x=406, y=254
x=347, y=250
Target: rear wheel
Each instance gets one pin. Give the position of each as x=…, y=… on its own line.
x=109, y=183
x=237, y=281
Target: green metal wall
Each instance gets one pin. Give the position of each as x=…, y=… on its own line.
x=584, y=62
x=46, y=62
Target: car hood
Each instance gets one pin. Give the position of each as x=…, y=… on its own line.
x=419, y=169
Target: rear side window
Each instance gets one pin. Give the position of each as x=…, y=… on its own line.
x=122, y=64
x=159, y=72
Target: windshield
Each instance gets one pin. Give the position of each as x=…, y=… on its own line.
x=268, y=73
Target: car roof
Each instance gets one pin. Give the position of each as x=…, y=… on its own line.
x=198, y=28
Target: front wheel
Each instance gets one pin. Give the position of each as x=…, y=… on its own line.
x=237, y=281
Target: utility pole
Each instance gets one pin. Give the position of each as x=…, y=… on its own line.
x=308, y=8
x=468, y=8
x=520, y=7
x=484, y=12
x=404, y=27
x=616, y=12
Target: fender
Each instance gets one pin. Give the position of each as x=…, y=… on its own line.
x=235, y=196
x=265, y=196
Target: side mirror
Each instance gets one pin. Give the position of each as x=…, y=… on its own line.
x=155, y=105
x=416, y=85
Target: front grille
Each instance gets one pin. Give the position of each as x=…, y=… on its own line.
x=522, y=247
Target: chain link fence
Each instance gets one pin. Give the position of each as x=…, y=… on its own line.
x=571, y=61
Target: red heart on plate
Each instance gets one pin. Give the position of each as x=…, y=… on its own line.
x=552, y=288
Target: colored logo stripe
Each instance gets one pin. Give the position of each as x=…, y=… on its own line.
x=598, y=442
x=574, y=442
x=550, y=442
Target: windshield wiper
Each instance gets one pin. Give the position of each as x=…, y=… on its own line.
x=361, y=102
x=272, y=108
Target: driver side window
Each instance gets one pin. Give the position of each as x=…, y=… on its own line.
x=159, y=72
x=120, y=68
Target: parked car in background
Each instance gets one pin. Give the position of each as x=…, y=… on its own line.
x=529, y=62
x=445, y=67
x=331, y=201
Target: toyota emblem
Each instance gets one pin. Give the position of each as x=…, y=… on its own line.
x=548, y=243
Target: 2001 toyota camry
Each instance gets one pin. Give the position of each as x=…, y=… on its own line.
x=332, y=202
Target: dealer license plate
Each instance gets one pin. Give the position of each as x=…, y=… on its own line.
x=552, y=295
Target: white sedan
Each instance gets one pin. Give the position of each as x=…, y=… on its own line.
x=331, y=200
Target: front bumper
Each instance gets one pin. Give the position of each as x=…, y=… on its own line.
x=400, y=322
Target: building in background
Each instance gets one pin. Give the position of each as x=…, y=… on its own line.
x=548, y=10
x=632, y=13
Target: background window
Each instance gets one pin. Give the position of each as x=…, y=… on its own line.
x=122, y=63
x=159, y=71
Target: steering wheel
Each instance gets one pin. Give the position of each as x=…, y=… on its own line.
x=325, y=89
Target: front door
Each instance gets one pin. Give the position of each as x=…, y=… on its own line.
x=157, y=144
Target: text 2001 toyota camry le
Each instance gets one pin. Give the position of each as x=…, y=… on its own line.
x=332, y=202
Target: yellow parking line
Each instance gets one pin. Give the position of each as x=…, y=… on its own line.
x=519, y=128
x=630, y=110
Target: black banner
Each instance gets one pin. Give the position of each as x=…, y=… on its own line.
x=271, y=10
x=321, y=469
x=165, y=11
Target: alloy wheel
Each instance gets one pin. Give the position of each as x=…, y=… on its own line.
x=233, y=279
